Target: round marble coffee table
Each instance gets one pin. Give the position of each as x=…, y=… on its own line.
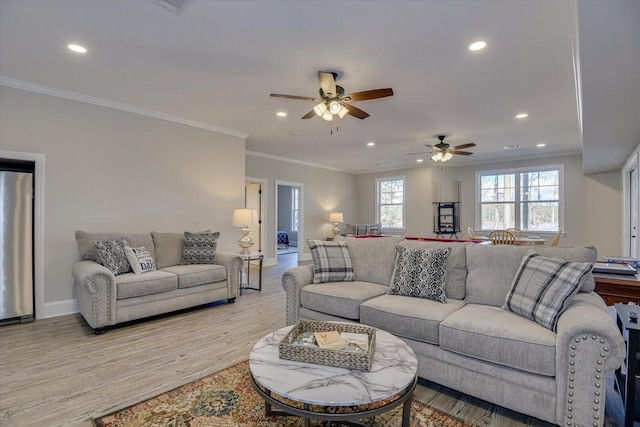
x=392, y=379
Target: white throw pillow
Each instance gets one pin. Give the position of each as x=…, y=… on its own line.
x=140, y=259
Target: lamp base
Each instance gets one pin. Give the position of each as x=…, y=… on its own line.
x=245, y=242
x=336, y=230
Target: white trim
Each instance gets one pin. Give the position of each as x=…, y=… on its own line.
x=575, y=57
x=300, y=221
x=74, y=96
x=298, y=162
x=263, y=208
x=632, y=162
x=59, y=308
x=516, y=171
x=404, y=202
x=38, y=225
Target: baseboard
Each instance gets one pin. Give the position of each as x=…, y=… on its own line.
x=268, y=262
x=58, y=308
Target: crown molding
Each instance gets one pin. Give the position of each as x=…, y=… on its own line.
x=74, y=96
x=298, y=162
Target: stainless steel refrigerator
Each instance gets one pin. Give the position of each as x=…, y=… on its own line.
x=16, y=247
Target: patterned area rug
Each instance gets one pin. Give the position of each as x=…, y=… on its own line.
x=227, y=399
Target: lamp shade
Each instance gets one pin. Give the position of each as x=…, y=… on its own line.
x=335, y=217
x=244, y=217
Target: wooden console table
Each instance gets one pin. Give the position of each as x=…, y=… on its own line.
x=615, y=288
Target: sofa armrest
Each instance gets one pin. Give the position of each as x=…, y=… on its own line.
x=293, y=280
x=588, y=346
x=233, y=264
x=96, y=293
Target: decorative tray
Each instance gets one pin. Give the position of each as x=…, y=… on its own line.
x=323, y=356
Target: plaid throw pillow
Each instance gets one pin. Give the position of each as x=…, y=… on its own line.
x=331, y=262
x=543, y=286
x=199, y=248
x=366, y=229
x=420, y=273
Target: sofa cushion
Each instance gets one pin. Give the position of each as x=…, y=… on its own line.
x=420, y=273
x=331, y=262
x=111, y=254
x=199, y=248
x=373, y=258
x=543, y=286
x=131, y=285
x=499, y=336
x=87, y=251
x=139, y=259
x=456, y=264
x=491, y=269
x=198, y=274
x=341, y=299
x=417, y=319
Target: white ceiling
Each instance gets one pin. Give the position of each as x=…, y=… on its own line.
x=218, y=61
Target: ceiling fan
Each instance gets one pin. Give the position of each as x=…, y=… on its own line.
x=333, y=100
x=443, y=151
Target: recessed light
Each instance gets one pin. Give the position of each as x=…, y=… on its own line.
x=281, y=114
x=479, y=45
x=370, y=144
x=420, y=160
x=511, y=147
x=522, y=116
x=542, y=144
x=77, y=48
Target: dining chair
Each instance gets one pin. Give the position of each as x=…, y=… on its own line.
x=471, y=233
x=557, y=239
x=502, y=237
x=515, y=231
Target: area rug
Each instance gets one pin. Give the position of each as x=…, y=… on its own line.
x=226, y=399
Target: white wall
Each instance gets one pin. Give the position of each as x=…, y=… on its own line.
x=324, y=191
x=593, y=203
x=109, y=170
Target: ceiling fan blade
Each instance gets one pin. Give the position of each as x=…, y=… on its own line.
x=327, y=83
x=464, y=153
x=302, y=98
x=309, y=115
x=355, y=111
x=463, y=146
x=368, y=94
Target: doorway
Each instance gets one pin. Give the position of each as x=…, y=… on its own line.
x=288, y=219
x=254, y=190
x=631, y=196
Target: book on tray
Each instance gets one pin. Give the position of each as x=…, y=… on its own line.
x=633, y=262
x=334, y=340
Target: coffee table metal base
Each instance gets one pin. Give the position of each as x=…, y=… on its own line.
x=329, y=418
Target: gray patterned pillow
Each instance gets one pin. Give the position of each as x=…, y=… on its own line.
x=420, y=273
x=140, y=259
x=110, y=253
x=367, y=229
x=199, y=248
x=543, y=286
x=331, y=261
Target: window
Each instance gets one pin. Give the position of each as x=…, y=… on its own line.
x=295, y=208
x=530, y=199
x=390, y=202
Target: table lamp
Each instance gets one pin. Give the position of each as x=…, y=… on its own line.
x=335, y=218
x=244, y=218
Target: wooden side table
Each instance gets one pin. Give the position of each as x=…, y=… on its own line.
x=615, y=288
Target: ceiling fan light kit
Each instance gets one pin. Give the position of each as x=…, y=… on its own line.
x=333, y=100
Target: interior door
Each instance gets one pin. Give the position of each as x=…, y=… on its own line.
x=633, y=214
x=253, y=195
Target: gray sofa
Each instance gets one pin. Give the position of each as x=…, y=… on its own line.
x=105, y=299
x=470, y=343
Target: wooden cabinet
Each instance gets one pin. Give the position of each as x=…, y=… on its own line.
x=615, y=288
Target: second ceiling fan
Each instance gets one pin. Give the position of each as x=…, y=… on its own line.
x=443, y=151
x=333, y=100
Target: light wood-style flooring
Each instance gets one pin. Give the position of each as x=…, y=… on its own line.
x=56, y=372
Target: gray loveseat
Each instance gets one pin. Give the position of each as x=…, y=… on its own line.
x=105, y=299
x=470, y=343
